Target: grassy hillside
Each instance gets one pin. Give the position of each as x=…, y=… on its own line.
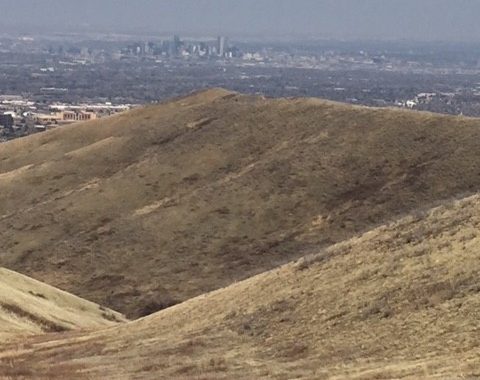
x=401, y=301
x=155, y=206
x=28, y=307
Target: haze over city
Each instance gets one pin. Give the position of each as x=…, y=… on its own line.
x=424, y=20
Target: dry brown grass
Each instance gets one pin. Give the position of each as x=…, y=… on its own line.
x=394, y=303
x=168, y=202
x=28, y=307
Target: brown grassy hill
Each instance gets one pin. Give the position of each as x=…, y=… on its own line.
x=28, y=307
x=164, y=203
x=401, y=301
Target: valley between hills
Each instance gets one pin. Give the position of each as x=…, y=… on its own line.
x=237, y=236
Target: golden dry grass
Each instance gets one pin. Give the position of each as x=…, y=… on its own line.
x=399, y=302
x=168, y=202
x=28, y=307
x=164, y=203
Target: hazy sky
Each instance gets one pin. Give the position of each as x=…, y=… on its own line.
x=357, y=19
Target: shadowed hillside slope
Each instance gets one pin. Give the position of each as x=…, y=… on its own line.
x=401, y=301
x=164, y=203
x=28, y=307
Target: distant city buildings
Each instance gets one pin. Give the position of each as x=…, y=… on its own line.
x=221, y=43
x=64, y=117
x=6, y=121
x=178, y=48
x=20, y=117
x=51, y=81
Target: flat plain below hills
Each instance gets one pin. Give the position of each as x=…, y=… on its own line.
x=161, y=204
x=401, y=301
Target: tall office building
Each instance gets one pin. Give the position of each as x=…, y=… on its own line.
x=221, y=46
x=177, y=44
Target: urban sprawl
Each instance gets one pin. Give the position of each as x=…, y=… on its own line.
x=51, y=80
